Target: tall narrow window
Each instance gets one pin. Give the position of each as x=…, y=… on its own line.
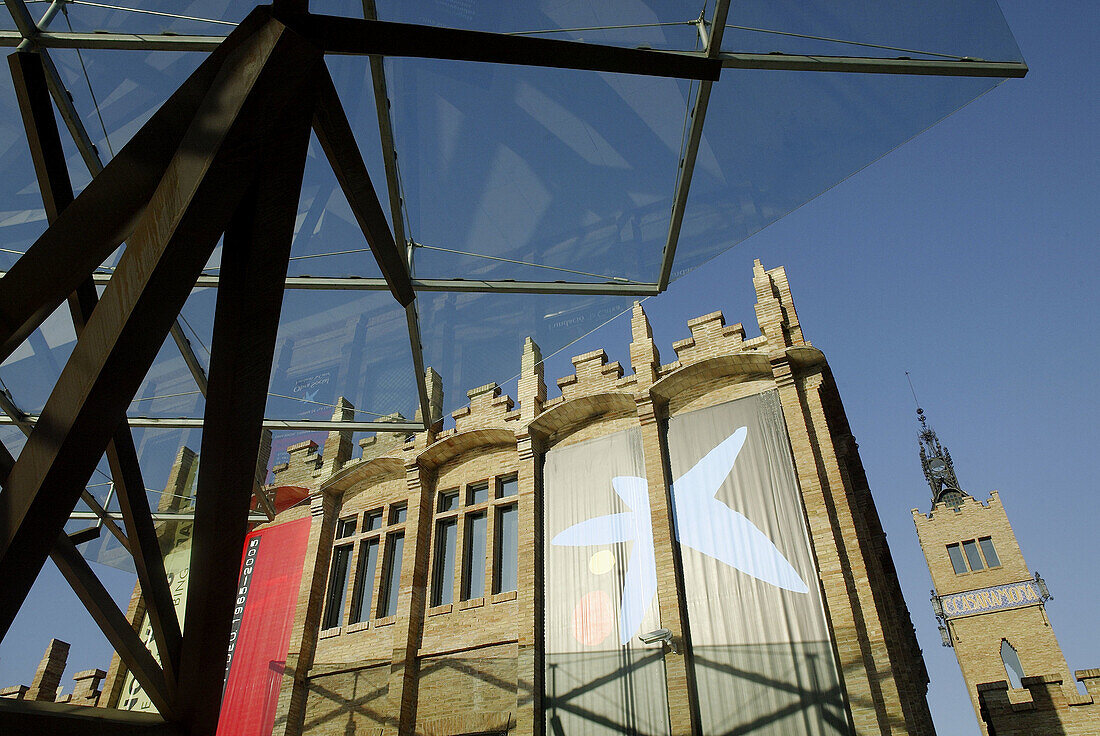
x=473, y=565
x=956, y=555
x=990, y=553
x=337, y=587
x=972, y=556
x=392, y=575
x=507, y=548
x=364, y=581
x=443, y=578
x=1013, y=667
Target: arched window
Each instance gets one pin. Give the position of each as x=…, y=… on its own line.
x=1011, y=661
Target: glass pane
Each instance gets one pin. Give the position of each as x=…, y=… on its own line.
x=990, y=553
x=443, y=580
x=478, y=493
x=507, y=548
x=972, y=555
x=393, y=575
x=955, y=28
x=373, y=521
x=397, y=514
x=364, y=581
x=955, y=554
x=345, y=527
x=474, y=565
x=448, y=500
x=508, y=487
x=337, y=587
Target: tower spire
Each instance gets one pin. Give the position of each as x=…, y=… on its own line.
x=935, y=460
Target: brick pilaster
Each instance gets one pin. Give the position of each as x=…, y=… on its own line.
x=679, y=679
x=412, y=597
x=290, y=710
x=530, y=582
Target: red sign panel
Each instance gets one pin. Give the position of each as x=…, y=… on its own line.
x=271, y=573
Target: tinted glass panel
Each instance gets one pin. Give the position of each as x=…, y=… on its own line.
x=478, y=493
x=443, y=581
x=345, y=528
x=397, y=515
x=337, y=587
x=956, y=556
x=364, y=580
x=448, y=500
x=508, y=487
x=474, y=564
x=507, y=548
x=373, y=521
x=990, y=553
x=393, y=575
x=972, y=555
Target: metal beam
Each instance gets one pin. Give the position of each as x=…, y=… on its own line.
x=480, y=286
x=141, y=537
x=105, y=213
x=333, y=130
x=113, y=623
x=161, y=516
x=174, y=237
x=255, y=257
x=308, y=425
x=698, y=114
x=116, y=41
x=67, y=719
x=871, y=65
x=338, y=35
x=14, y=415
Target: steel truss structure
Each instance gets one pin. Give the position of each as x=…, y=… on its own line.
x=224, y=157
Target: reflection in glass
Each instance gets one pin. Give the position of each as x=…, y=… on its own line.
x=972, y=556
x=393, y=575
x=337, y=587
x=990, y=553
x=364, y=581
x=957, y=563
x=507, y=548
x=443, y=579
x=474, y=564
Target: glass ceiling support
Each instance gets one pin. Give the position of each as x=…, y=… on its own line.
x=393, y=191
x=163, y=516
x=18, y=417
x=871, y=65
x=478, y=286
x=115, y=41
x=31, y=32
x=28, y=76
x=311, y=425
x=698, y=114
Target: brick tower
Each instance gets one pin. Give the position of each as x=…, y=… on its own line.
x=991, y=609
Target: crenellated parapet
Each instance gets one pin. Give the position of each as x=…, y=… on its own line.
x=488, y=407
x=592, y=375
x=1042, y=704
x=709, y=337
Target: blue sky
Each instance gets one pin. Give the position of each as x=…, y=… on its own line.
x=966, y=257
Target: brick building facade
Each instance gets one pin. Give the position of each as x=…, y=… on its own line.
x=387, y=639
x=992, y=610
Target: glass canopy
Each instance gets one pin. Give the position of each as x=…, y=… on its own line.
x=532, y=201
